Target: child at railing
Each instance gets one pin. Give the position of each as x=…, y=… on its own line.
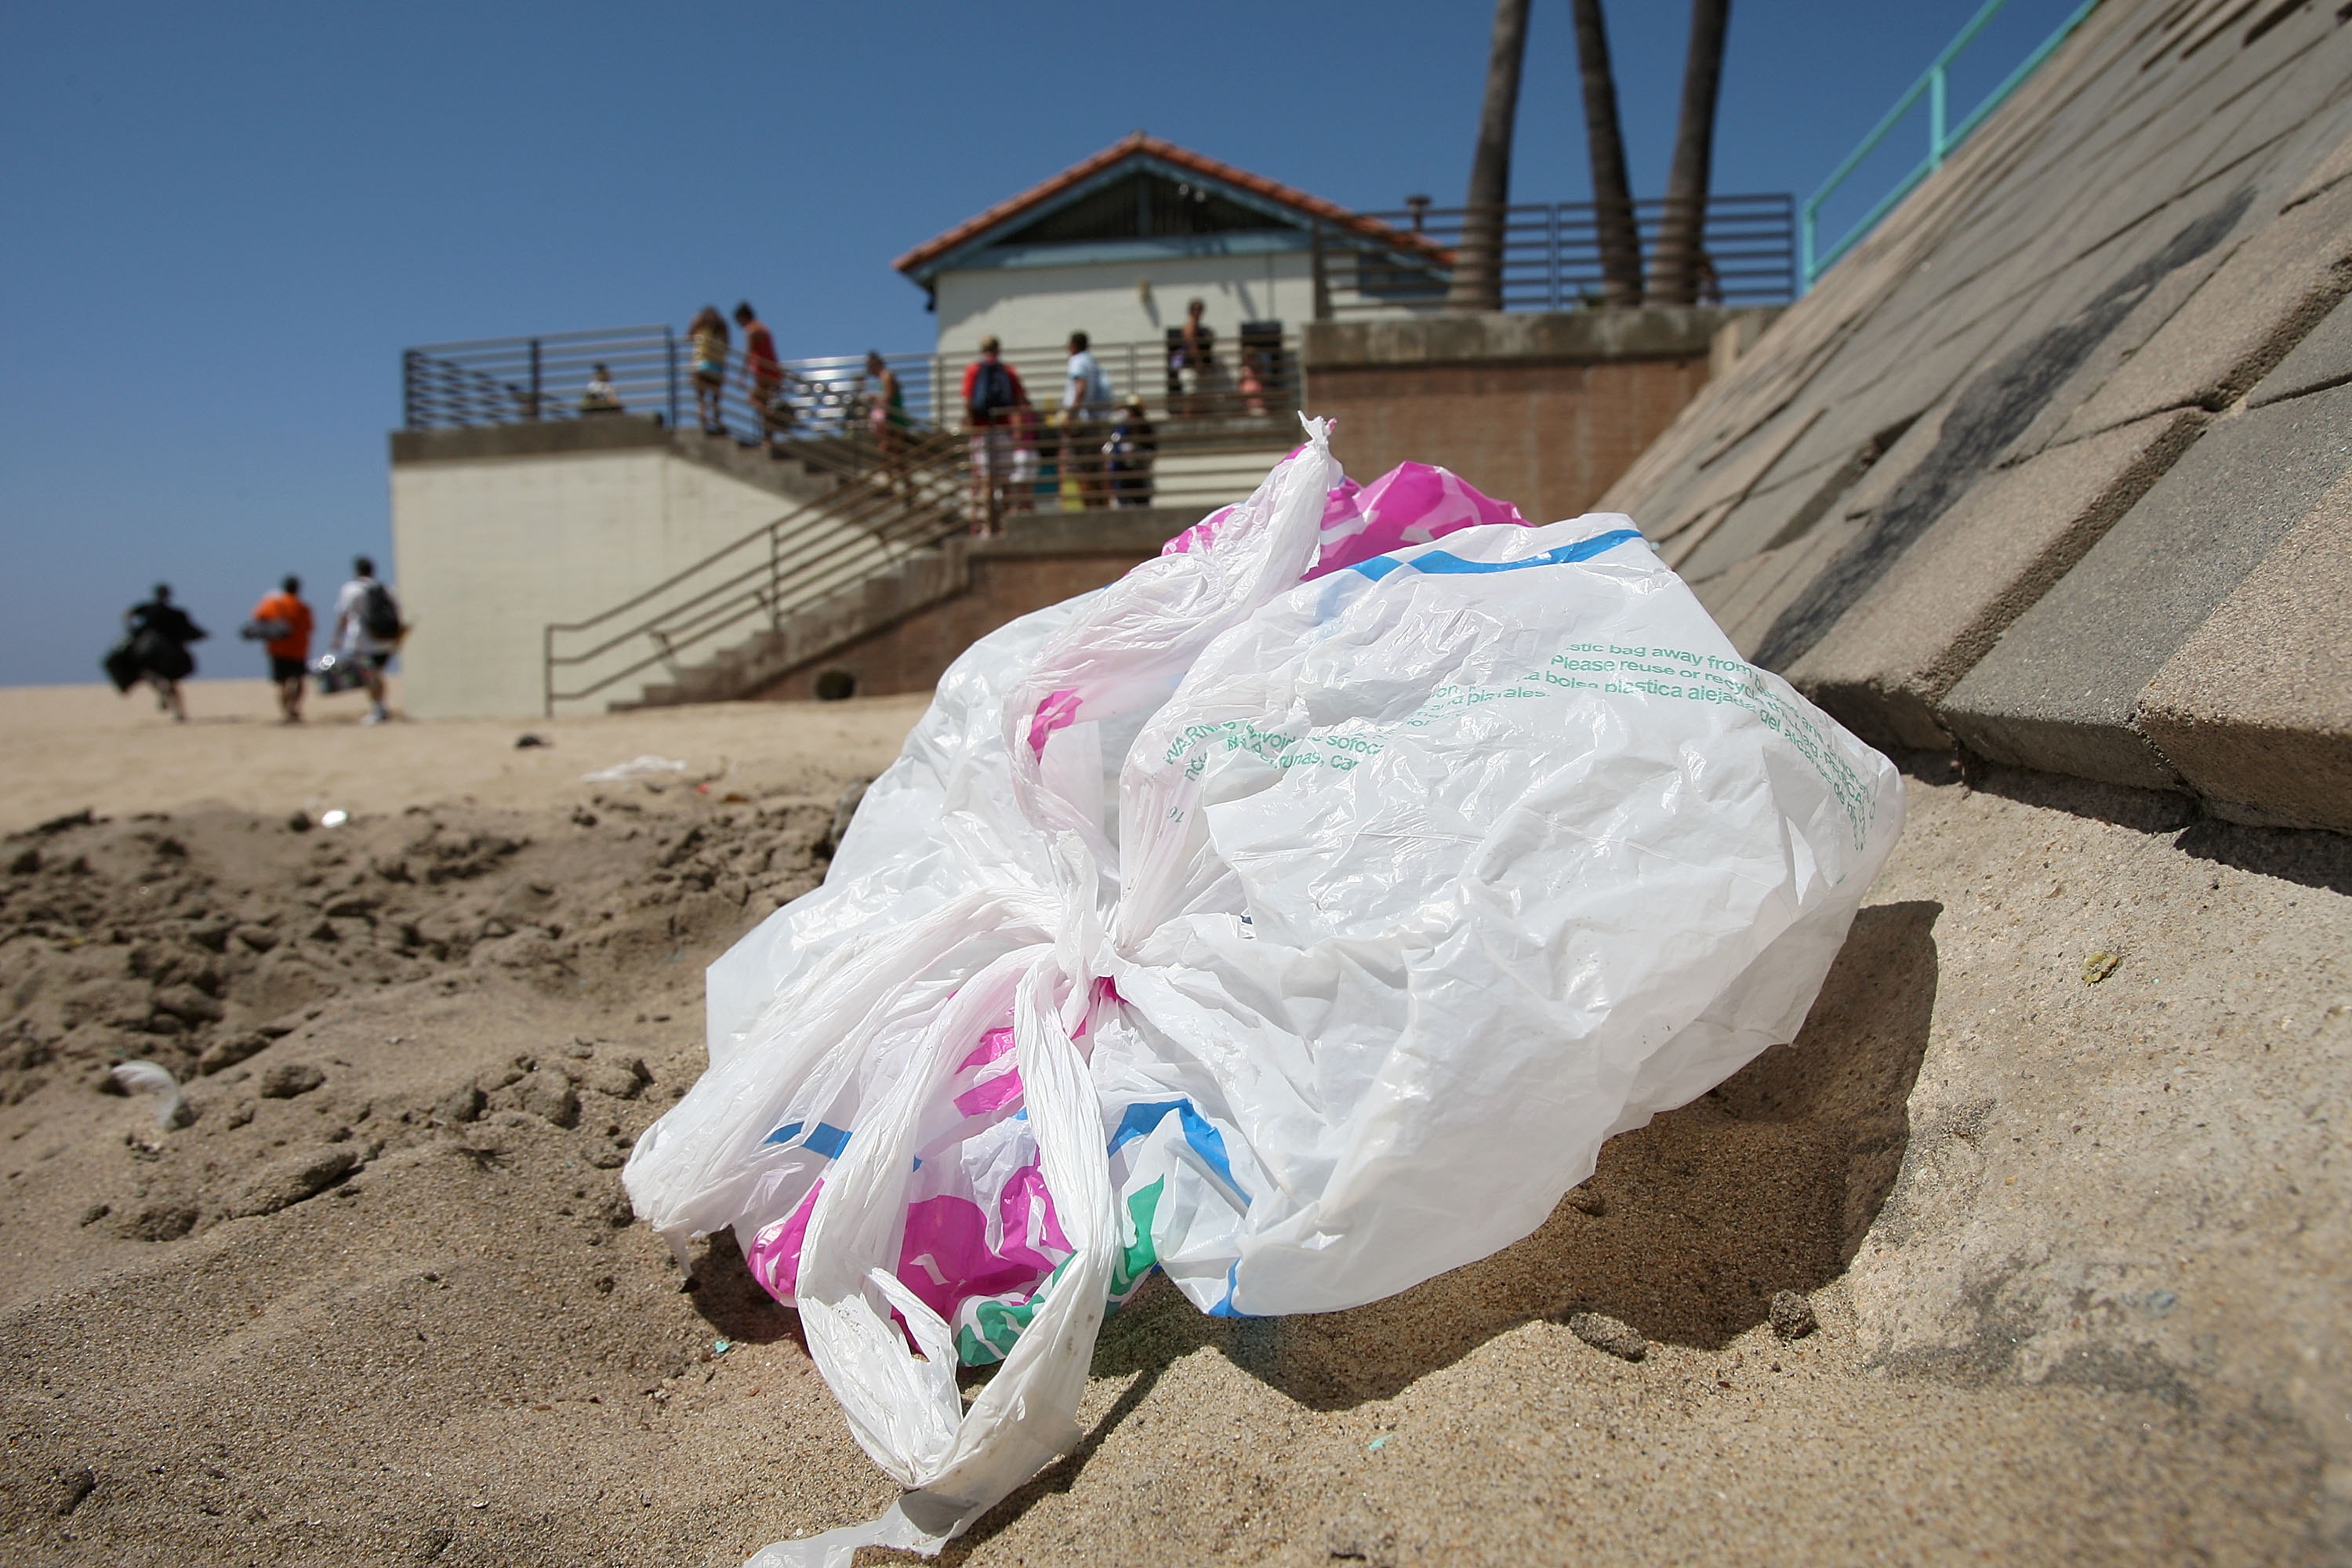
x=710, y=335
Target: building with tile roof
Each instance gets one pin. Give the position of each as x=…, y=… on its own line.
x=1117, y=245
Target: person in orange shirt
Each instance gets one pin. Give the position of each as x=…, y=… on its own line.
x=283, y=623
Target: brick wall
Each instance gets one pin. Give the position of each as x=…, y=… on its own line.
x=911, y=653
x=1542, y=411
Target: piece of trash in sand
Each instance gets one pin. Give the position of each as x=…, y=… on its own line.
x=721, y=1347
x=2099, y=965
x=153, y=1077
x=645, y=766
x=527, y=740
x=334, y=819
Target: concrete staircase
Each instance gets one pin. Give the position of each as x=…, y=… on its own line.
x=922, y=580
x=796, y=470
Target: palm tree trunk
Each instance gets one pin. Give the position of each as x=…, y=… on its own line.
x=1478, y=260
x=1612, y=194
x=1675, y=266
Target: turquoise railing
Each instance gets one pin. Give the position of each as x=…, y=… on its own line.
x=1811, y=261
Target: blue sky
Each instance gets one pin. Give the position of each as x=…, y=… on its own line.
x=220, y=224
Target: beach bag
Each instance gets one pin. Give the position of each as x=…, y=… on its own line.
x=335, y=672
x=157, y=655
x=1296, y=916
x=121, y=664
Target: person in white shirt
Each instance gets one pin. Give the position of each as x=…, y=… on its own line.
x=601, y=397
x=367, y=648
x=1086, y=408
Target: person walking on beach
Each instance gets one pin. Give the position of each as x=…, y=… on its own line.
x=285, y=614
x=158, y=634
x=367, y=632
x=767, y=376
x=710, y=336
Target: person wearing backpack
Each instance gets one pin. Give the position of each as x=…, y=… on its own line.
x=367, y=632
x=991, y=391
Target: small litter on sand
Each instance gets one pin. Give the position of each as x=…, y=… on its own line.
x=335, y=818
x=644, y=766
x=152, y=1077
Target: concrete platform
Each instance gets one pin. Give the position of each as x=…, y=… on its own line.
x=2061, y=691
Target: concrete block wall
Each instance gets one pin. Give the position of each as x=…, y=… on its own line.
x=498, y=532
x=2051, y=469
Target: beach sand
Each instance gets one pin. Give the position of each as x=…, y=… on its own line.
x=2078, y=1251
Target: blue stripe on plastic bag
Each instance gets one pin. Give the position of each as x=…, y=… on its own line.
x=1443, y=563
x=1205, y=1139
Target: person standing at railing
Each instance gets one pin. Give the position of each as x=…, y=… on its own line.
x=1086, y=402
x=991, y=391
x=281, y=623
x=709, y=337
x=600, y=397
x=1253, y=382
x=1191, y=361
x=766, y=375
x=1127, y=455
x=885, y=417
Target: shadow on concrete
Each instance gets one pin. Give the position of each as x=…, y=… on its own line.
x=2309, y=857
x=2119, y=805
x=1768, y=1183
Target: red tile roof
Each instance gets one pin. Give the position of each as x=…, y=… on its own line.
x=1182, y=158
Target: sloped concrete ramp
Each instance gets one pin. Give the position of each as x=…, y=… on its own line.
x=2056, y=467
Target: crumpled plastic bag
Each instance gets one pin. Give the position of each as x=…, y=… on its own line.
x=1296, y=916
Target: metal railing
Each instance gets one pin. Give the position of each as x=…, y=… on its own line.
x=1942, y=137
x=1551, y=255
x=893, y=502
x=904, y=492
x=513, y=380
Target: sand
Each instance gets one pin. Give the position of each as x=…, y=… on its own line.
x=2077, y=1251
x=76, y=746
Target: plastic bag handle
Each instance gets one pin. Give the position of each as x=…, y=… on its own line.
x=905, y=1409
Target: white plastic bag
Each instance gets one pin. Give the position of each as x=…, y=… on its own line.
x=1294, y=918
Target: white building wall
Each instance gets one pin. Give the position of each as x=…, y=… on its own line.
x=488, y=551
x=1136, y=302
x=1121, y=302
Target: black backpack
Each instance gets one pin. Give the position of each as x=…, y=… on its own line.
x=379, y=612
x=992, y=389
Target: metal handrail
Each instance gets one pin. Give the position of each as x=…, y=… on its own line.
x=1940, y=140
x=883, y=511
x=508, y=381
x=1552, y=255
x=803, y=558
